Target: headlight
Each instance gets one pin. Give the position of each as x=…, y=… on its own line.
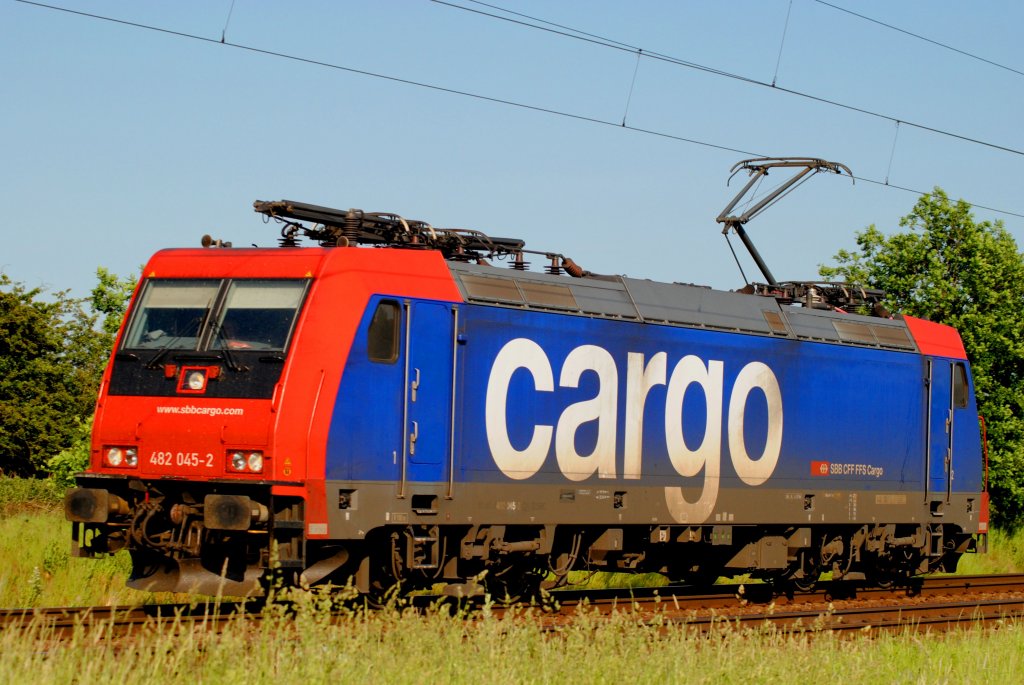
x=245, y=462
x=196, y=380
x=255, y=462
x=121, y=457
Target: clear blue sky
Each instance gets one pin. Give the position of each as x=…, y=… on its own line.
x=119, y=141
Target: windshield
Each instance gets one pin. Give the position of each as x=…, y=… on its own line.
x=208, y=314
x=257, y=315
x=170, y=313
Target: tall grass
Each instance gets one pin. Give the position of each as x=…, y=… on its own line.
x=1005, y=555
x=393, y=647
x=29, y=494
x=36, y=569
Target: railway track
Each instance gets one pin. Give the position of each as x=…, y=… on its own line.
x=61, y=622
x=937, y=603
x=740, y=595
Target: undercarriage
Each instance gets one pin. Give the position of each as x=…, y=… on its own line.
x=234, y=539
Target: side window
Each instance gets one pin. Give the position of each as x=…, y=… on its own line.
x=382, y=338
x=959, y=385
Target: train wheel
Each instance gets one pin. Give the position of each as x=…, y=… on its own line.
x=881, y=578
x=383, y=569
x=805, y=583
x=701, y=576
x=806, y=573
x=514, y=583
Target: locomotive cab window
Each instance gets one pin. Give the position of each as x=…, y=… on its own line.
x=201, y=314
x=959, y=385
x=382, y=337
x=170, y=313
x=257, y=315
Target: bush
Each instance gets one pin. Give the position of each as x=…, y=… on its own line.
x=20, y=493
x=74, y=459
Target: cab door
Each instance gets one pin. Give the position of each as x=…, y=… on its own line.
x=948, y=395
x=429, y=391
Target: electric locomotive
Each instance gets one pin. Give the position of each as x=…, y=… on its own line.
x=390, y=407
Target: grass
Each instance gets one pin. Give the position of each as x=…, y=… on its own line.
x=28, y=494
x=37, y=569
x=396, y=647
x=1005, y=555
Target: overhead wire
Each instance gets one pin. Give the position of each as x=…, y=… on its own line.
x=224, y=31
x=632, y=84
x=892, y=152
x=940, y=44
x=569, y=32
x=387, y=77
x=452, y=91
x=782, y=43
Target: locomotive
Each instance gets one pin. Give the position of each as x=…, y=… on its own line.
x=390, y=407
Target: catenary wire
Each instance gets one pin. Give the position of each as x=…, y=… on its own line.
x=651, y=54
x=463, y=93
x=782, y=43
x=224, y=32
x=920, y=37
x=632, y=84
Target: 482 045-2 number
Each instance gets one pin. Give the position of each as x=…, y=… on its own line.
x=194, y=459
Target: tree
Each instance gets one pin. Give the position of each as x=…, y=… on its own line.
x=52, y=354
x=946, y=267
x=110, y=298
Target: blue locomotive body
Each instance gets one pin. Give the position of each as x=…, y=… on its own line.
x=567, y=423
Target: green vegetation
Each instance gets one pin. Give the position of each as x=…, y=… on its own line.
x=37, y=571
x=52, y=354
x=948, y=268
x=1005, y=555
x=28, y=494
x=397, y=647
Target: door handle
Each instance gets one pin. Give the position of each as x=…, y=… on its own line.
x=413, y=437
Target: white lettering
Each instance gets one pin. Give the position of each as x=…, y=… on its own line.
x=516, y=354
x=707, y=455
x=639, y=381
x=755, y=471
x=601, y=408
x=520, y=464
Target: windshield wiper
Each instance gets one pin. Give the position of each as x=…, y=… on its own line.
x=155, y=361
x=229, y=357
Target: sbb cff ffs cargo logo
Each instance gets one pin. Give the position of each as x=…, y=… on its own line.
x=642, y=374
